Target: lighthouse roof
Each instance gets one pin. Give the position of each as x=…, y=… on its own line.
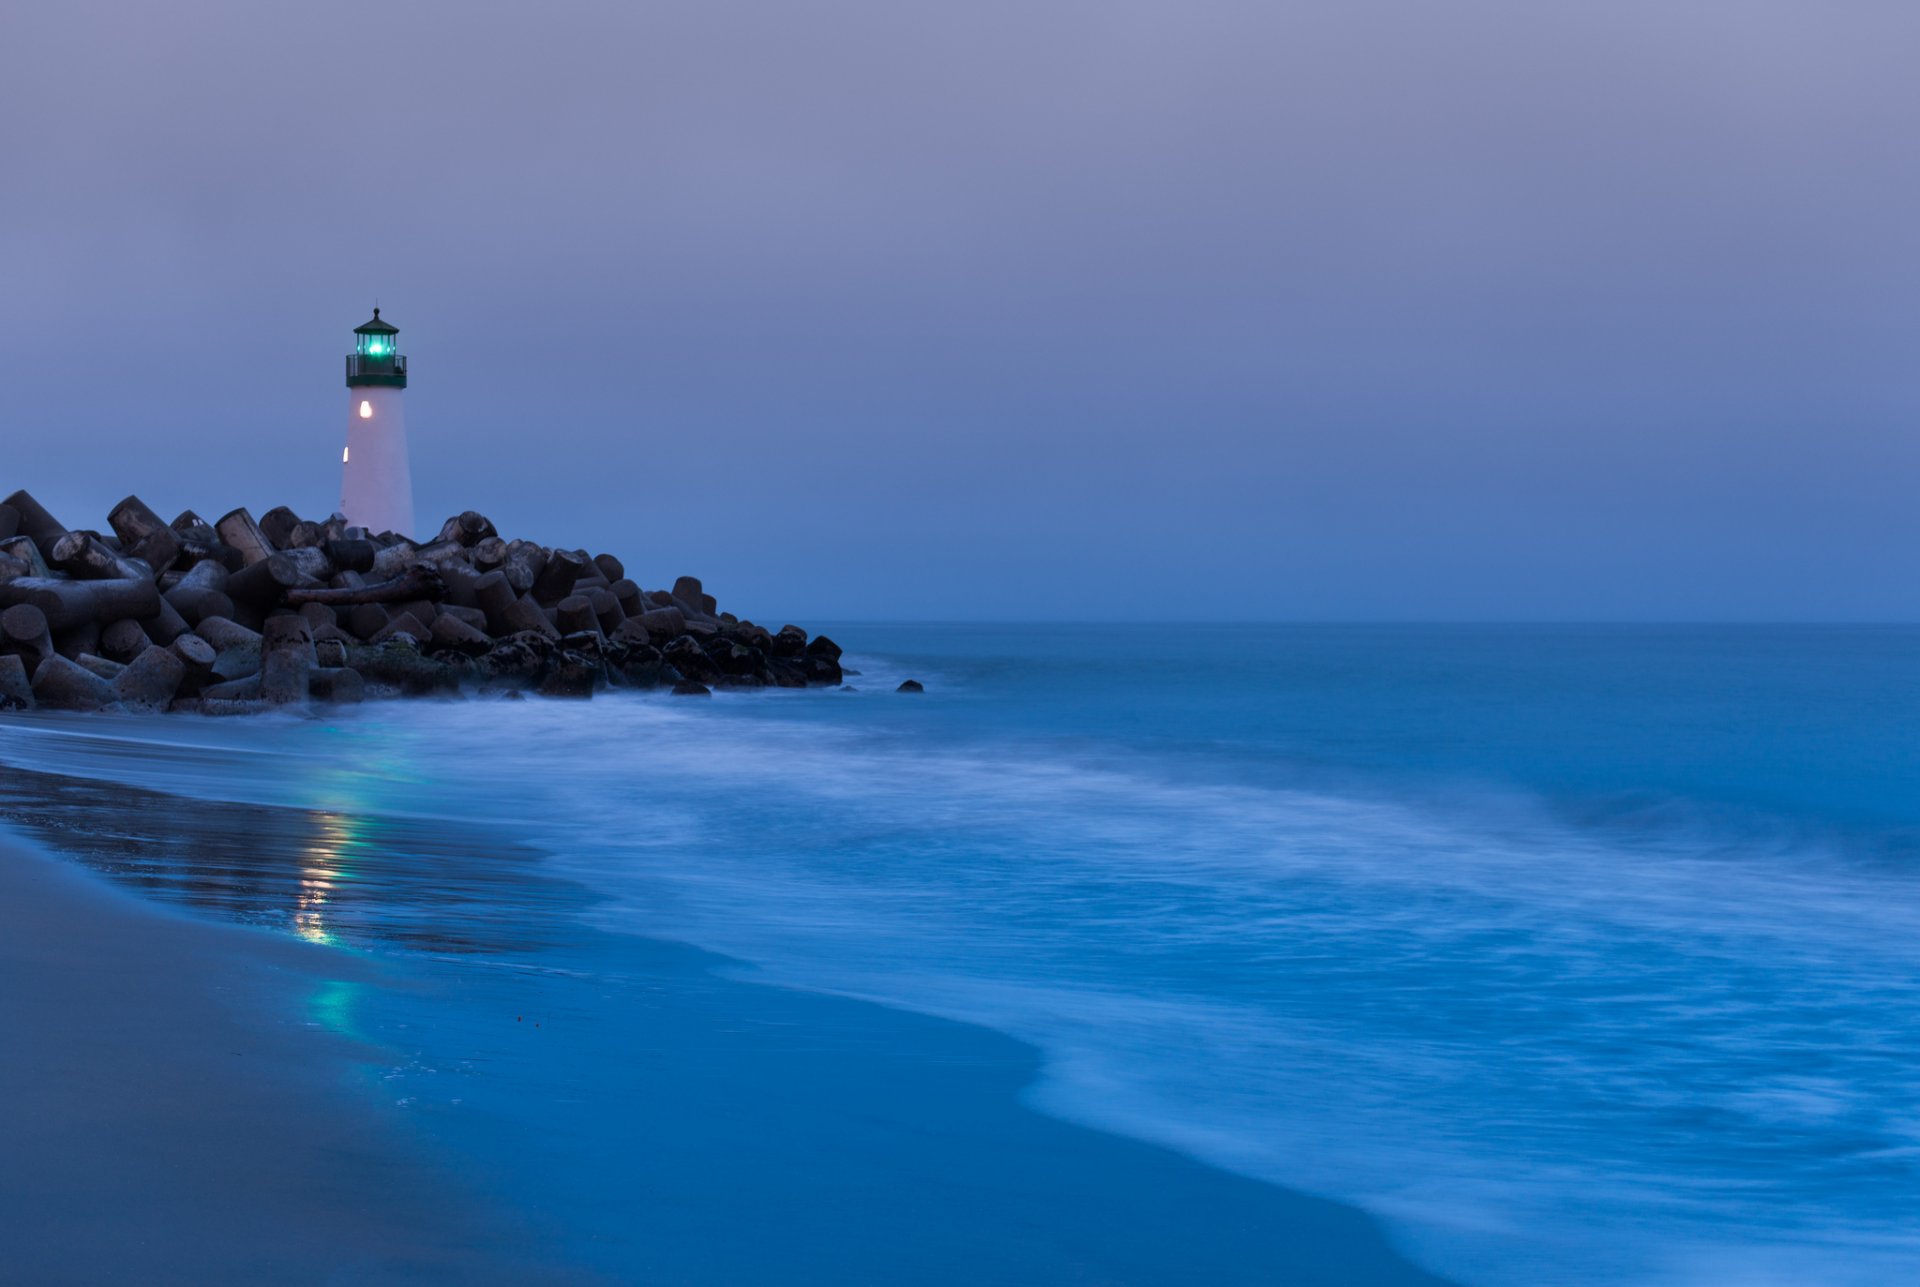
x=376, y=327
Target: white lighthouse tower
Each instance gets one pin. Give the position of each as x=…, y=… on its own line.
x=376, y=483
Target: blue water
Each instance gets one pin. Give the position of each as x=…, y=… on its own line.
x=1573, y=954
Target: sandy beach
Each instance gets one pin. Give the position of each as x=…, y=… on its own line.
x=170, y=1118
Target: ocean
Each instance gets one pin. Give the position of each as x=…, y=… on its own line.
x=1567, y=954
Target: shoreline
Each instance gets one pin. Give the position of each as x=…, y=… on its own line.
x=859, y=1142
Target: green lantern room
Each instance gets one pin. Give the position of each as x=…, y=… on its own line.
x=376, y=358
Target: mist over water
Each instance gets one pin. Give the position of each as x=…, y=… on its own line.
x=1575, y=955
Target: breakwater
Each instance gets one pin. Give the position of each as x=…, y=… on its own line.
x=243, y=615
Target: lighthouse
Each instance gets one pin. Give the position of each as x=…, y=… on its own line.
x=376, y=483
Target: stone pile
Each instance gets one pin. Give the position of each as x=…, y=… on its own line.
x=241, y=615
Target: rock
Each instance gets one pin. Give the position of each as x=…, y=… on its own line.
x=686, y=656
x=60, y=684
x=107, y=670
x=150, y=680
x=910, y=686
x=16, y=690
x=23, y=628
x=691, y=688
x=572, y=674
x=337, y=684
x=449, y=631
x=124, y=640
x=791, y=641
x=69, y=604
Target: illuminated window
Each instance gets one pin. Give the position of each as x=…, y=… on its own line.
x=366, y=411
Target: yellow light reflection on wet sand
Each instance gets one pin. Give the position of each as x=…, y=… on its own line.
x=323, y=864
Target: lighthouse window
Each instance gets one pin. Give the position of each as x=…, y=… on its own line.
x=344, y=453
x=366, y=411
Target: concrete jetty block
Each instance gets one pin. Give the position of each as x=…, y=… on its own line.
x=469, y=528
x=366, y=620
x=606, y=610
x=524, y=614
x=266, y=582
x=575, y=613
x=23, y=549
x=283, y=676
x=150, y=680
x=69, y=604
x=84, y=556
x=9, y=522
x=337, y=684
x=492, y=593
x=556, y=578
x=143, y=535
x=10, y=567
x=34, y=523
x=489, y=554
x=394, y=559
x=472, y=616
x=287, y=655
x=237, y=529
x=193, y=651
x=166, y=624
x=352, y=555
x=196, y=604
x=461, y=581
x=61, y=684
x=101, y=666
x=404, y=623
x=245, y=689
x=288, y=632
x=664, y=623
x=630, y=633
x=277, y=526
x=449, y=631
x=81, y=639
x=16, y=690
x=307, y=535
x=123, y=640
x=224, y=634
x=23, y=629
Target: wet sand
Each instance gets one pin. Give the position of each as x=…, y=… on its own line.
x=170, y=1118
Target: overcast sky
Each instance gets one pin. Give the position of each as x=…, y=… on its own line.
x=1197, y=309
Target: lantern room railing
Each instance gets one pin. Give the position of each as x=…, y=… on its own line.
x=359, y=367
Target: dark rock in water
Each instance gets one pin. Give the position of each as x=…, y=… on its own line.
x=686, y=656
x=690, y=688
x=790, y=642
x=911, y=686
x=821, y=646
x=572, y=674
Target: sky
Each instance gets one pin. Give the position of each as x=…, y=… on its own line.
x=1185, y=311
